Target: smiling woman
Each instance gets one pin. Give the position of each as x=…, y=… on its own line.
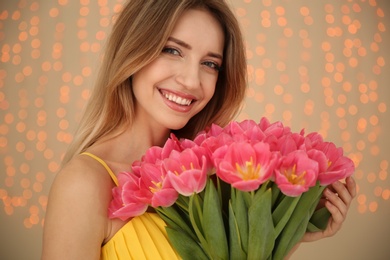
x=180, y=72
x=318, y=65
x=172, y=74
x=181, y=81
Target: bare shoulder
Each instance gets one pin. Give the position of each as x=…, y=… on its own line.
x=85, y=181
x=83, y=174
x=76, y=215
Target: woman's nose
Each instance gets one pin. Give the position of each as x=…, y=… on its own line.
x=189, y=76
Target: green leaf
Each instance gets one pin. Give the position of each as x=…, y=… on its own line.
x=299, y=233
x=283, y=212
x=264, y=187
x=187, y=247
x=213, y=225
x=261, y=232
x=319, y=220
x=297, y=224
x=275, y=194
x=236, y=251
x=196, y=213
x=174, y=220
x=247, y=198
x=240, y=210
x=224, y=190
x=312, y=228
x=320, y=189
x=182, y=202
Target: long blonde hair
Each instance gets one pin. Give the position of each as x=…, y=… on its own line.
x=137, y=38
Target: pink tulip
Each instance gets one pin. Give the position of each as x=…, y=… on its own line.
x=320, y=158
x=249, y=129
x=172, y=144
x=136, y=191
x=274, y=135
x=212, y=143
x=296, y=173
x=154, y=187
x=155, y=153
x=276, y=129
x=289, y=143
x=199, y=150
x=214, y=130
x=313, y=140
x=243, y=165
x=152, y=155
x=125, y=211
x=187, y=171
x=342, y=168
x=339, y=166
x=124, y=204
x=236, y=128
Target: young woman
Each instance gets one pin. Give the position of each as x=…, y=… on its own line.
x=170, y=66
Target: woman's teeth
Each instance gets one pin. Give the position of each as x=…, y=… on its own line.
x=177, y=99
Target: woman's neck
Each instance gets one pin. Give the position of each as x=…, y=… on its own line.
x=131, y=144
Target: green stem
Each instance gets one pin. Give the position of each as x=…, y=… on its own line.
x=199, y=207
x=182, y=205
x=196, y=218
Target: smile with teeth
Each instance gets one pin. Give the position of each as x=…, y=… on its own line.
x=178, y=100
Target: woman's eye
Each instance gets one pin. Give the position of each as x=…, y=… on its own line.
x=172, y=51
x=212, y=65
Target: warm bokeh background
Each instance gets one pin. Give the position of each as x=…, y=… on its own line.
x=319, y=65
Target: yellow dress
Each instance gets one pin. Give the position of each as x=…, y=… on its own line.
x=143, y=237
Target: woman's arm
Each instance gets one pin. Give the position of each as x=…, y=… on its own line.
x=76, y=217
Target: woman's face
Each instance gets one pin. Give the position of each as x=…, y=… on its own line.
x=181, y=81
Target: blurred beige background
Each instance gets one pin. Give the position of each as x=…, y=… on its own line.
x=318, y=65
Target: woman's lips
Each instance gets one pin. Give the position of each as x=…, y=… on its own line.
x=177, y=101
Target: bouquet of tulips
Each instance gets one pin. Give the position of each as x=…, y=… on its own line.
x=246, y=191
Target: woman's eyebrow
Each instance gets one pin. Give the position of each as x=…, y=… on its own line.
x=181, y=43
x=189, y=47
